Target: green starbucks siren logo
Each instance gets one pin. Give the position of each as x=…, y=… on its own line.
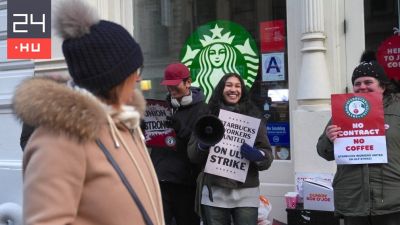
x=357, y=107
x=218, y=48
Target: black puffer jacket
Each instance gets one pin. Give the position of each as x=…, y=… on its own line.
x=174, y=165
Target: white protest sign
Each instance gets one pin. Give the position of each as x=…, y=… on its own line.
x=225, y=159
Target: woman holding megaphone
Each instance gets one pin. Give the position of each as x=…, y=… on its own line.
x=220, y=199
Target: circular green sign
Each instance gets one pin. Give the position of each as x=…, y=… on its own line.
x=218, y=48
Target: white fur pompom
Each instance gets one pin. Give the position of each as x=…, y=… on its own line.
x=73, y=18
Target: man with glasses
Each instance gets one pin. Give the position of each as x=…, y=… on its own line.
x=176, y=174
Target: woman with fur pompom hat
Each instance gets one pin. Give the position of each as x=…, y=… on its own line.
x=86, y=162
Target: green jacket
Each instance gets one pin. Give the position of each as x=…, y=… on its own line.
x=369, y=189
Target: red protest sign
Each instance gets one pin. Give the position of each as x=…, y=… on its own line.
x=388, y=56
x=157, y=130
x=362, y=137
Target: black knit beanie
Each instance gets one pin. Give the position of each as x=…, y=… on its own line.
x=100, y=54
x=369, y=67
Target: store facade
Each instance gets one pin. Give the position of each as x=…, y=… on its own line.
x=306, y=50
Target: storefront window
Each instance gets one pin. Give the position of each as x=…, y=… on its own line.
x=162, y=27
x=382, y=35
x=380, y=18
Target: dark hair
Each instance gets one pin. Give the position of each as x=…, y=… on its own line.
x=389, y=86
x=244, y=106
x=186, y=79
x=110, y=96
x=389, y=95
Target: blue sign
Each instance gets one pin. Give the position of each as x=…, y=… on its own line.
x=278, y=134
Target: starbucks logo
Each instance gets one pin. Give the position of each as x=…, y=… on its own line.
x=357, y=107
x=170, y=141
x=218, y=48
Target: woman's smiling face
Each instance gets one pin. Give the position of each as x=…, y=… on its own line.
x=232, y=91
x=367, y=84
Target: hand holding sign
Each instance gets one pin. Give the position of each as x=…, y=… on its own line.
x=332, y=132
x=173, y=123
x=251, y=153
x=225, y=158
x=203, y=147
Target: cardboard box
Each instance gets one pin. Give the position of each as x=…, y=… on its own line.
x=318, y=195
x=302, y=176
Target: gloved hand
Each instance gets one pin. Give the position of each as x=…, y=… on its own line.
x=203, y=147
x=251, y=153
x=173, y=123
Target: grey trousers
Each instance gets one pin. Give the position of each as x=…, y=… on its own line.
x=224, y=216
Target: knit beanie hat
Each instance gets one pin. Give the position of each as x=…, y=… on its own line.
x=100, y=54
x=369, y=67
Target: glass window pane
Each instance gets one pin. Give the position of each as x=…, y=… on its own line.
x=162, y=27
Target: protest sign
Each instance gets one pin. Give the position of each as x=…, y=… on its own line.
x=225, y=159
x=157, y=130
x=361, y=139
x=388, y=55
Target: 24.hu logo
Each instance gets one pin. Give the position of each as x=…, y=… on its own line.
x=29, y=29
x=357, y=107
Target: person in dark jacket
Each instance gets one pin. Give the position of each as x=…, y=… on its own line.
x=220, y=198
x=368, y=194
x=176, y=174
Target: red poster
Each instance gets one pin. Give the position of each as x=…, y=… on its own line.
x=361, y=139
x=272, y=36
x=388, y=56
x=157, y=131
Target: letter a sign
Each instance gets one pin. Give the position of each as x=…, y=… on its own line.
x=273, y=66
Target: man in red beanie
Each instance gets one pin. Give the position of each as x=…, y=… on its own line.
x=177, y=175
